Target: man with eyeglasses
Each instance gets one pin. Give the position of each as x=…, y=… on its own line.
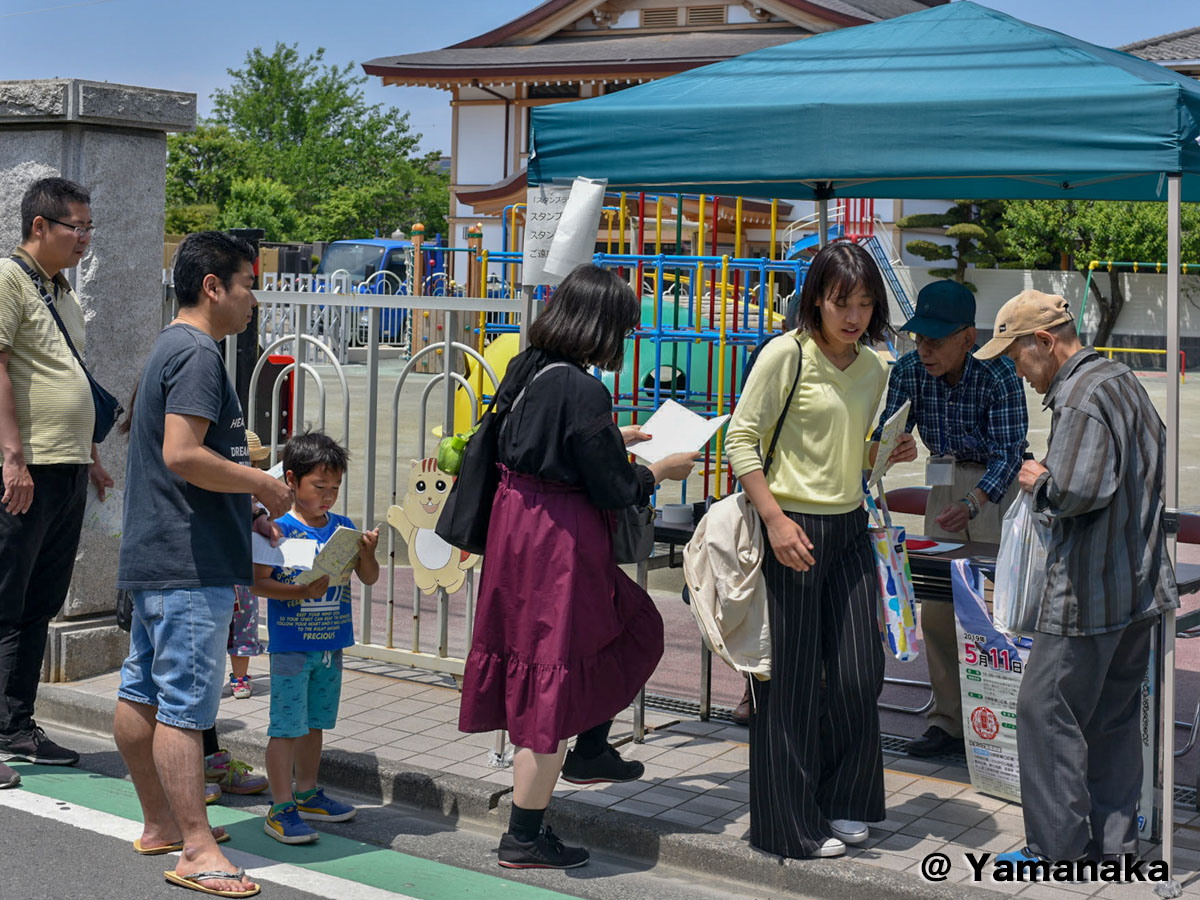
x=46, y=453
x=972, y=417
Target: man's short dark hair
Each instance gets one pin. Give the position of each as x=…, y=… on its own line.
x=314, y=450
x=208, y=253
x=588, y=318
x=50, y=198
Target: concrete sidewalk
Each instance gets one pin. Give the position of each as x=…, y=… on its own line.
x=397, y=739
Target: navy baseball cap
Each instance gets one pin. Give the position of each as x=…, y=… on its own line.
x=943, y=307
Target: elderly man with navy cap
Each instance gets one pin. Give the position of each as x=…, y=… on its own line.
x=972, y=417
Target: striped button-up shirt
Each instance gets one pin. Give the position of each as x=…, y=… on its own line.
x=981, y=418
x=1107, y=563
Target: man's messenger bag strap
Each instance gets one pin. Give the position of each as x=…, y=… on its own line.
x=108, y=408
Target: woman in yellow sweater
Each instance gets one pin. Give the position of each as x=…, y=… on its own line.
x=816, y=770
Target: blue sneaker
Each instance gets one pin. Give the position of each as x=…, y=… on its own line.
x=285, y=825
x=324, y=809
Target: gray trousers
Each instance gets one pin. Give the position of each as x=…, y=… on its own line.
x=1079, y=742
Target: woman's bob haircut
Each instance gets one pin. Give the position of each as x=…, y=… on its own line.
x=837, y=272
x=588, y=318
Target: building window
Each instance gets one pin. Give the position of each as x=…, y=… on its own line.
x=611, y=87
x=552, y=91
x=706, y=15
x=660, y=18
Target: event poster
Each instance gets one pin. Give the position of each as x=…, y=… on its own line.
x=990, y=668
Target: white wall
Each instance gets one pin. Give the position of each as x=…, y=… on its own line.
x=479, y=152
x=1145, y=297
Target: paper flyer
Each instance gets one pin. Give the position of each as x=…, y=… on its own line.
x=574, y=240
x=336, y=558
x=292, y=553
x=675, y=429
x=104, y=515
x=892, y=429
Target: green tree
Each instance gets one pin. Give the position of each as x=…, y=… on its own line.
x=262, y=203
x=1070, y=234
x=294, y=122
x=972, y=226
x=191, y=217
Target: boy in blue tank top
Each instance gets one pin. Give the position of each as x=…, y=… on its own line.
x=309, y=625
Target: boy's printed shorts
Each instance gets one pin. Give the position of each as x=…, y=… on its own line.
x=305, y=690
x=243, y=631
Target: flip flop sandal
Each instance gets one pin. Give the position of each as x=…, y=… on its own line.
x=192, y=882
x=169, y=848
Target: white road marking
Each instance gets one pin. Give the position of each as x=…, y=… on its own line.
x=258, y=868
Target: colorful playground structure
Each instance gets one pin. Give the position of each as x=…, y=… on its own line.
x=702, y=314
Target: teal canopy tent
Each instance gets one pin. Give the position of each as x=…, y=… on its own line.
x=955, y=101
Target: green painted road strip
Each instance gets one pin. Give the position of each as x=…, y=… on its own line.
x=332, y=855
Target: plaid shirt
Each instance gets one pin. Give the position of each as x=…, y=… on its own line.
x=1107, y=564
x=981, y=419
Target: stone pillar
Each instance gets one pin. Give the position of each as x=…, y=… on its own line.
x=110, y=138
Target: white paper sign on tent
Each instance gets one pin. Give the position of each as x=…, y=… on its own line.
x=544, y=204
x=575, y=238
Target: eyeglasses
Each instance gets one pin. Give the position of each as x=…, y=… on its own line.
x=80, y=230
x=935, y=343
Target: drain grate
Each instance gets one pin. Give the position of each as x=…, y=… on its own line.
x=662, y=703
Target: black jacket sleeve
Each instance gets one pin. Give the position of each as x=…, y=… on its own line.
x=610, y=480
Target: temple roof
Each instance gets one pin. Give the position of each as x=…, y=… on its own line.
x=1176, y=46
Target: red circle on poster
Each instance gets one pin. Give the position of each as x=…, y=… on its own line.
x=985, y=723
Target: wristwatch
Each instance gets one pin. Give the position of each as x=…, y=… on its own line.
x=973, y=506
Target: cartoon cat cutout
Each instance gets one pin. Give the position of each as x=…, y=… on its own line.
x=435, y=563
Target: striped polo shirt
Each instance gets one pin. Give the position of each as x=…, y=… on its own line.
x=54, y=401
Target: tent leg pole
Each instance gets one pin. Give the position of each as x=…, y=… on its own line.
x=823, y=221
x=1166, y=729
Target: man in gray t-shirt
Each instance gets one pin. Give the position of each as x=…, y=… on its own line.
x=186, y=543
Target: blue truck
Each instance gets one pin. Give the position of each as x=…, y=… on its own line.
x=380, y=266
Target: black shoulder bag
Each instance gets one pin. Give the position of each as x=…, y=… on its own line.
x=464, y=519
x=108, y=409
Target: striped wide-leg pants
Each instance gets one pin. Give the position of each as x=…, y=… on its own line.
x=814, y=732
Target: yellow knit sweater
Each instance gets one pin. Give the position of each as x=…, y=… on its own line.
x=823, y=446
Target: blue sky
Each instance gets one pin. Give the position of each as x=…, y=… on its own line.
x=188, y=46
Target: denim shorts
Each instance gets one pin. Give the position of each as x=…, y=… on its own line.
x=177, y=653
x=305, y=690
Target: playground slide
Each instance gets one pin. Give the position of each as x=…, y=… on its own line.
x=498, y=355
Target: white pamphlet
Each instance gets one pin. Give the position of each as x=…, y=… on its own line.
x=892, y=429
x=675, y=429
x=292, y=553
x=104, y=515
x=276, y=471
x=336, y=559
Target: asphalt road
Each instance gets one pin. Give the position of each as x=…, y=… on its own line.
x=66, y=834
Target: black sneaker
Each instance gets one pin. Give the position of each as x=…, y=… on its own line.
x=8, y=777
x=33, y=746
x=607, y=767
x=545, y=851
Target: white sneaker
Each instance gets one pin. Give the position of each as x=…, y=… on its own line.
x=829, y=847
x=849, y=831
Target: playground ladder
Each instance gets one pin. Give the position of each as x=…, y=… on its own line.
x=875, y=248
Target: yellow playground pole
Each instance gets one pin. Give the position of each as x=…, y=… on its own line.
x=477, y=381
x=721, y=369
x=770, y=301
x=512, y=268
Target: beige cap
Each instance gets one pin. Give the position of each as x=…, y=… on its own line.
x=257, y=451
x=1024, y=314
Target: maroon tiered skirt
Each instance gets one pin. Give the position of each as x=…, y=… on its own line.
x=563, y=639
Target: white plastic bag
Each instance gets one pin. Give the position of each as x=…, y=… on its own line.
x=1020, y=568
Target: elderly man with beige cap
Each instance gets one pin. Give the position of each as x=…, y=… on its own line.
x=1108, y=579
